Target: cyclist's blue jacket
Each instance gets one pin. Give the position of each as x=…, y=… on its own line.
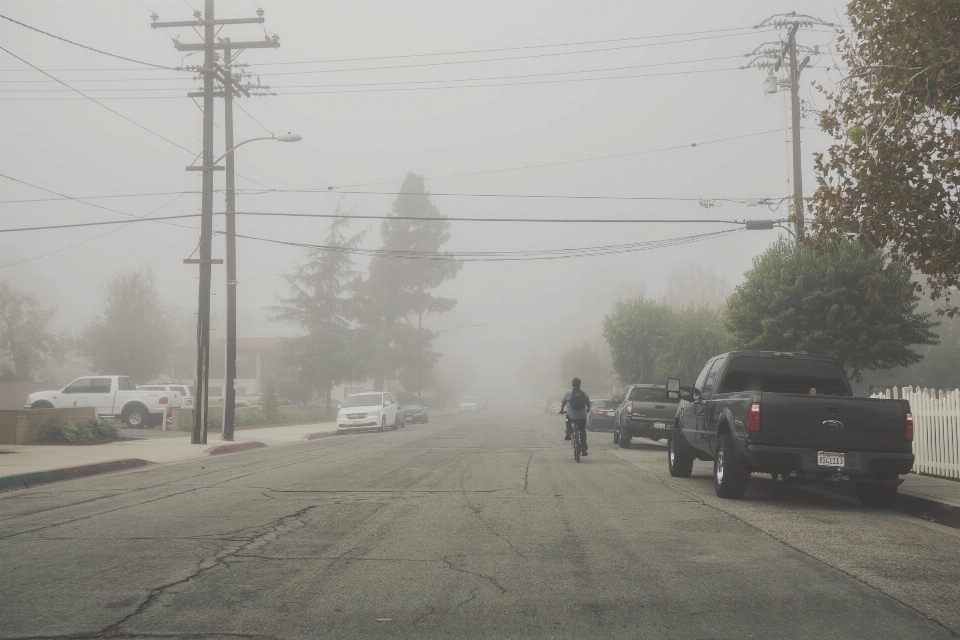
x=575, y=414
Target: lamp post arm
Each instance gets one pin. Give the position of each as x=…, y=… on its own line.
x=241, y=144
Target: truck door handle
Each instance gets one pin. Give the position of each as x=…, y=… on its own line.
x=833, y=407
x=660, y=406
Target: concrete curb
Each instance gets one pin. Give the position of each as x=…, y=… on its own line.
x=318, y=434
x=27, y=480
x=929, y=509
x=233, y=447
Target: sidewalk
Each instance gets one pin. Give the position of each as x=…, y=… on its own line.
x=943, y=491
x=19, y=459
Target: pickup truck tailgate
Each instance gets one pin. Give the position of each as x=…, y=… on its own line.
x=832, y=423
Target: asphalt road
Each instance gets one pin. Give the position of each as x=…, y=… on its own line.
x=471, y=526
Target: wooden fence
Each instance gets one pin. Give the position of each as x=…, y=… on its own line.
x=936, y=428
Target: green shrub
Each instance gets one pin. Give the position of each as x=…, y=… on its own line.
x=256, y=416
x=64, y=432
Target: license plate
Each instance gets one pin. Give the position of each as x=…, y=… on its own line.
x=659, y=425
x=830, y=459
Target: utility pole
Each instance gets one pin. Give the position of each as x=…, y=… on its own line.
x=211, y=71
x=231, y=366
x=798, y=206
x=773, y=56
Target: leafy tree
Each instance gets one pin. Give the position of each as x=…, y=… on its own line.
x=321, y=304
x=25, y=335
x=893, y=172
x=588, y=365
x=402, y=277
x=132, y=335
x=835, y=298
x=695, y=335
x=636, y=330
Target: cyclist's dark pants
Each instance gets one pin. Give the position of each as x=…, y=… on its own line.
x=582, y=425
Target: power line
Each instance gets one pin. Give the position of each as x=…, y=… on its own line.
x=82, y=242
x=103, y=223
x=379, y=84
x=463, y=86
x=502, y=59
x=452, y=175
x=89, y=204
x=137, y=124
x=83, y=46
x=505, y=256
x=283, y=214
x=565, y=162
x=469, y=51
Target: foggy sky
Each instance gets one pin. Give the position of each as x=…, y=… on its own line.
x=532, y=311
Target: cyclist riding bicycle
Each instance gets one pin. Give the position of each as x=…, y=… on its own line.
x=579, y=405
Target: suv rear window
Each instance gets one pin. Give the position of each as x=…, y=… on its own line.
x=784, y=375
x=646, y=394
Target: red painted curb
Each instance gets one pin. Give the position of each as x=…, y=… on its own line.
x=319, y=434
x=109, y=466
x=234, y=447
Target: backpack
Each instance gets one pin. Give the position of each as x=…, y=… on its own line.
x=578, y=400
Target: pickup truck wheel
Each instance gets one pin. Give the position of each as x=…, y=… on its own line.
x=135, y=417
x=679, y=460
x=625, y=439
x=616, y=434
x=881, y=496
x=42, y=404
x=729, y=477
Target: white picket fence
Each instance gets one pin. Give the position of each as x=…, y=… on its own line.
x=936, y=428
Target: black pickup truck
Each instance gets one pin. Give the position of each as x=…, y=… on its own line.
x=793, y=416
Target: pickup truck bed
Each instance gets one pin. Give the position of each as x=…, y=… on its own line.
x=793, y=416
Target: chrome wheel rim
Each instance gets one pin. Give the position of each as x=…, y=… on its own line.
x=720, y=466
x=135, y=418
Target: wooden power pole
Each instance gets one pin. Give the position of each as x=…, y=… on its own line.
x=212, y=72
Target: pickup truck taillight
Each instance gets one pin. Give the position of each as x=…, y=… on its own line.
x=908, y=427
x=630, y=408
x=753, y=418
x=188, y=401
x=163, y=400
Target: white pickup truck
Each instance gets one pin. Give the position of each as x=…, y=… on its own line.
x=113, y=396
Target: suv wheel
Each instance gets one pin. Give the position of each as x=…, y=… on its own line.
x=729, y=476
x=383, y=423
x=679, y=460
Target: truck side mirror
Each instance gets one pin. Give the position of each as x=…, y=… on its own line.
x=673, y=389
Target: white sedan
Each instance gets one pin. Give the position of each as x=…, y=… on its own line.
x=370, y=410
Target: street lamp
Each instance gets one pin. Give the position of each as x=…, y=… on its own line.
x=231, y=373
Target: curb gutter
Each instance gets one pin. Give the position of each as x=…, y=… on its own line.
x=27, y=480
x=318, y=434
x=233, y=447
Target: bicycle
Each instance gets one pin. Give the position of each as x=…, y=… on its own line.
x=577, y=448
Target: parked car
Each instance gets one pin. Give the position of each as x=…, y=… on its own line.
x=322, y=402
x=643, y=412
x=793, y=416
x=601, y=414
x=469, y=403
x=216, y=397
x=369, y=410
x=183, y=392
x=113, y=396
x=416, y=413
